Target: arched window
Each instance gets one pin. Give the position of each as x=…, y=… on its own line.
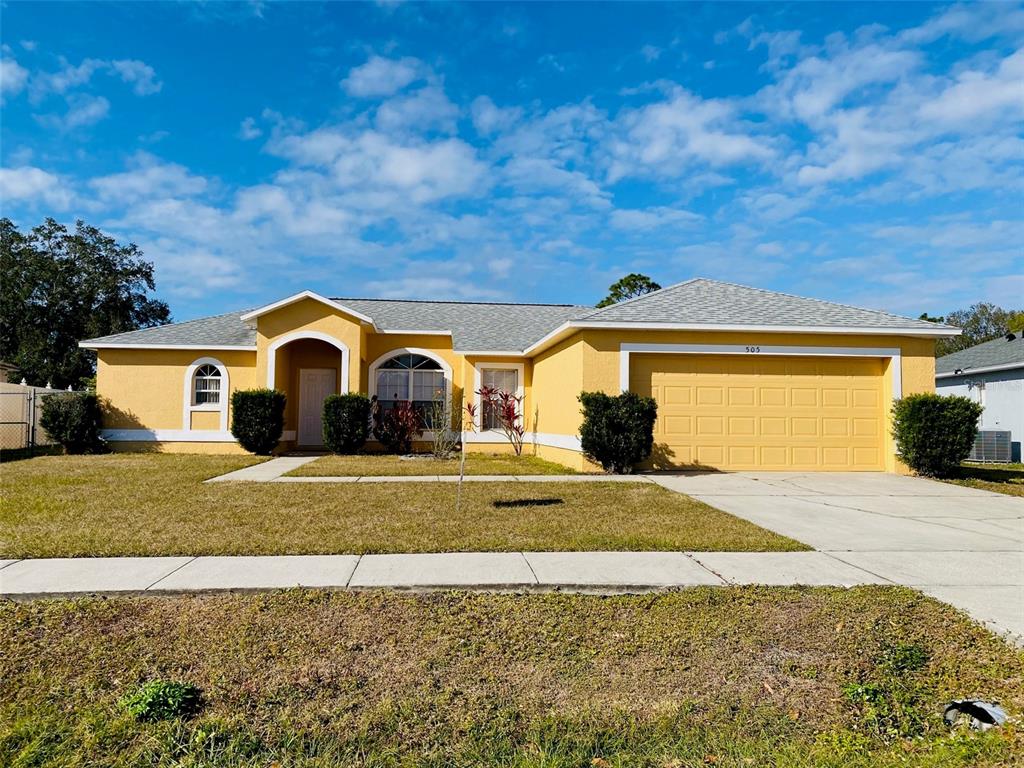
x=206, y=388
x=411, y=378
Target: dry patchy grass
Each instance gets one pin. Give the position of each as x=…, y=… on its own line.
x=709, y=676
x=370, y=465
x=152, y=504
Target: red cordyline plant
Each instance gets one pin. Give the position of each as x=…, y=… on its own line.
x=507, y=410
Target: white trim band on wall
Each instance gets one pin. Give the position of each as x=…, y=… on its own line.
x=547, y=439
x=176, y=436
x=296, y=336
x=762, y=350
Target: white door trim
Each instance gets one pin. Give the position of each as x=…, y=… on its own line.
x=302, y=405
x=761, y=350
x=295, y=336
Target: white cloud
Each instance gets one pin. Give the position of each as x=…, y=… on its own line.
x=980, y=96
x=32, y=185
x=489, y=118
x=383, y=77
x=673, y=135
x=140, y=75
x=248, y=130
x=650, y=53
x=83, y=110
x=13, y=77
x=149, y=178
x=652, y=218
x=421, y=111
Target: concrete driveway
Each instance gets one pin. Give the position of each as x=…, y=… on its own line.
x=961, y=545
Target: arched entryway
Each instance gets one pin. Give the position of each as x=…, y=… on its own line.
x=308, y=367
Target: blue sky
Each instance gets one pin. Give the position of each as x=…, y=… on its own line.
x=868, y=153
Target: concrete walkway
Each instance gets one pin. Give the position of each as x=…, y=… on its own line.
x=272, y=472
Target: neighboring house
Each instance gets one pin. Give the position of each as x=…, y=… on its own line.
x=744, y=378
x=990, y=373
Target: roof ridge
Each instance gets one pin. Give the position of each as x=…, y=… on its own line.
x=598, y=310
x=456, y=301
x=825, y=301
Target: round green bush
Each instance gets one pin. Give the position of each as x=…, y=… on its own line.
x=934, y=433
x=73, y=420
x=346, y=422
x=617, y=431
x=257, y=419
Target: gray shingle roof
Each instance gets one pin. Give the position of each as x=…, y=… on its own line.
x=988, y=353
x=475, y=327
x=702, y=301
x=219, y=331
x=494, y=327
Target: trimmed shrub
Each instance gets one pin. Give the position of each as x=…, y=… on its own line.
x=74, y=421
x=617, y=431
x=934, y=433
x=395, y=427
x=162, y=700
x=346, y=422
x=257, y=419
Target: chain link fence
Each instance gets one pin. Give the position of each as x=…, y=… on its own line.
x=20, y=410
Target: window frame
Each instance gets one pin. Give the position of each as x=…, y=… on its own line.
x=445, y=370
x=478, y=369
x=189, y=405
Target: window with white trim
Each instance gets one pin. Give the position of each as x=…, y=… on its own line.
x=502, y=380
x=411, y=378
x=206, y=385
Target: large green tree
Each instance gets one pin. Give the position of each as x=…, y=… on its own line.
x=980, y=322
x=633, y=284
x=59, y=287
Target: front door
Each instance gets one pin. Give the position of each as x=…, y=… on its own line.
x=315, y=384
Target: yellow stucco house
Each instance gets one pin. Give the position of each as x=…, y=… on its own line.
x=744, y=378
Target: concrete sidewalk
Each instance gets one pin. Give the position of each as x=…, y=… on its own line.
x=599, y=571
x=986, y=585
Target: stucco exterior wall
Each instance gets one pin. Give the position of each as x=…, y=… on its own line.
x=558, y=375
x=146, y=388
x=306, y=316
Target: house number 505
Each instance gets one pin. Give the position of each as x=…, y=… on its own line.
x=753, y=350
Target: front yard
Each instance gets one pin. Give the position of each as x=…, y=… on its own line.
x=998, y=478
x=157, y=504
x=726, y=677
x=366, y=465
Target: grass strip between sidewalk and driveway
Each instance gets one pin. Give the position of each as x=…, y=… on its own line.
x=725, y=677
x=381, y=465
x=1007, y=479
x=157, y=504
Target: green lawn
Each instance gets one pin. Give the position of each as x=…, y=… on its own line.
x=999, y=478
x=369, y=465
x=727, y=677
x=156, y=504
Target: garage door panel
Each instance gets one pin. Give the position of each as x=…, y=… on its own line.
x=750, y=412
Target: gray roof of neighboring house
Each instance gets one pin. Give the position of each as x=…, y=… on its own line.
x=496, y=327
x=998, y=352
x=702, y=301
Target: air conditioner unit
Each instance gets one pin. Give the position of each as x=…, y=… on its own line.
x=991, y=445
